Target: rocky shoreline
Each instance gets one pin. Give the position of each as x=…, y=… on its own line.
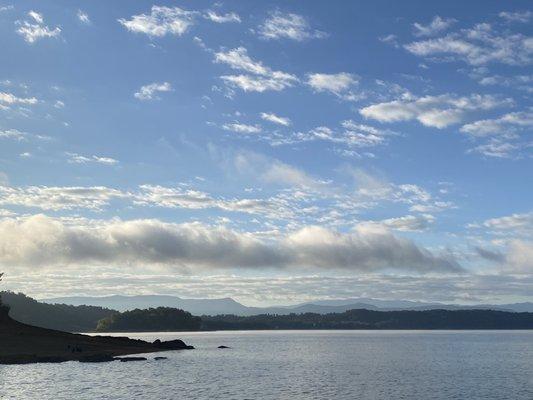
x=25, y=344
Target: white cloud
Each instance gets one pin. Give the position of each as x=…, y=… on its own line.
x=160, y=22
x=41, y=241
x=262, y=78
x=435, y=111
x=503, y=126
x=521, y=82
x=338, y=84
x=497, y=148
x=281, y=25
x=275, y=119
x=408, y=223
x=183, y=197
x=504, y=134
x=519, y=257
x=352, y=134
x=516, y=16
x=437, y=25
x=79, y=159
x=35, y=29
x=83, y=17
x=59, y=198
x=222, y=18
x=149, y=92
x=241, y=128
x=13, y=134
x=271, y=170
x=9, y=99
x=479, y=45
x=515, y=223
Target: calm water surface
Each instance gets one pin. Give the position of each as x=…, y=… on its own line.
x=299, y=365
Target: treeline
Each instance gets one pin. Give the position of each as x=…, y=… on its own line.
x=368, y=319
x=88, y=318
x=150, y=320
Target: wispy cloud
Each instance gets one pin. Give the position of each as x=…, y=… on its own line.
x=222, y=18
x=281, y=25
x=34, y=28
x=434, y=111
x=75, y=158
x=436, y=26
x=339, y=84
x=260, y=78
x=83, y=17
x=479, y=45
x=160, y=22
x=275, y=119
x=241, y=128
x=149, y=92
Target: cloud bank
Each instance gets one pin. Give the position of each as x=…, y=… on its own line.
x=42, y=241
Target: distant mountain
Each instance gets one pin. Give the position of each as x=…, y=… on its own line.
x=128, y=303
x=230, y=306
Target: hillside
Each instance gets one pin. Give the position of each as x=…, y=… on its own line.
x=54, y=316
x=21, y=343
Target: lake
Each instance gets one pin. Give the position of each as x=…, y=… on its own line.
x=298, y=365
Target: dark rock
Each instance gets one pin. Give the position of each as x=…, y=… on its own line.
x=224, y=347
x=176, y=344
x=127, y=359
x=160, y=358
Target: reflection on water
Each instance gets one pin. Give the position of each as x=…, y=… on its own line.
x=298, y=365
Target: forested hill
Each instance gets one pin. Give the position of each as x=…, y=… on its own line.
x=368, y=319
x=54, y=316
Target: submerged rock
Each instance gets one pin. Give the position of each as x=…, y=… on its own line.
x=160, y=358
x=97, y=358
x=128, y=359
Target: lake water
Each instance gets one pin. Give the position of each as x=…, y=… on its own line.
x=299, y=365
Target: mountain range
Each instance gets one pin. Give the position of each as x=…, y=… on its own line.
x=230, y=306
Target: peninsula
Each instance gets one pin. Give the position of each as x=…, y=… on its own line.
x=22, y=344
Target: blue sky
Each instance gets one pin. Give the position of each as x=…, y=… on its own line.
x=273, y=152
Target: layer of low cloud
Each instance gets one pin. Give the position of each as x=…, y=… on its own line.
x=41, y=241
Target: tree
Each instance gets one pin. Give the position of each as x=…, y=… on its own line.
x=1, y=275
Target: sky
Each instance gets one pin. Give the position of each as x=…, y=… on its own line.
x=272, y=152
